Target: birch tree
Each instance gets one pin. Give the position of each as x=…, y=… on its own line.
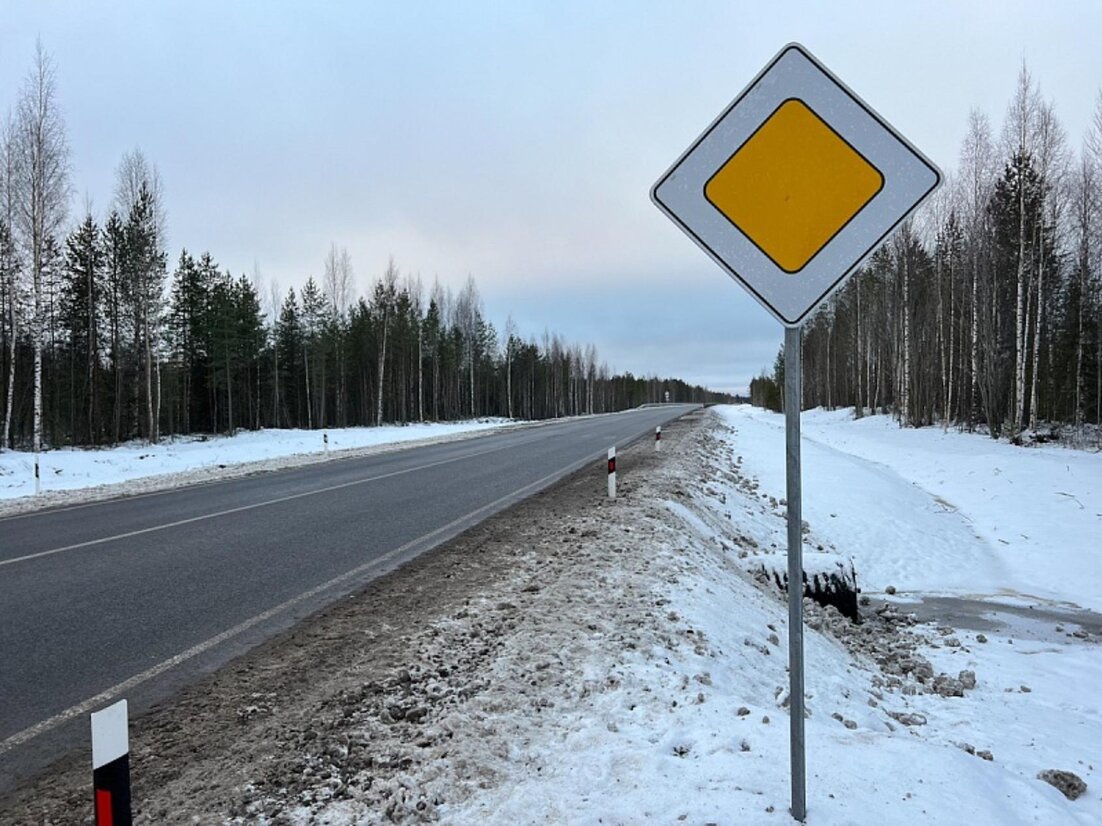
x=1052, y=163
x=1085, y=210
x=977, y=180
x=904, y=242
x=9, y=264
x=1019, y=136
x=1093, y=155
x=468, y=315
x=42, y=194
x=337, y=283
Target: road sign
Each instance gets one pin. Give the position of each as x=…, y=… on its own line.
x=794, y=185
x=789, y=190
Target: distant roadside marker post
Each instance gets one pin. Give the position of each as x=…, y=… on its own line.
x=612, y=472
x=789, y=190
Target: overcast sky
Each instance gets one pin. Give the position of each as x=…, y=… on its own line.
x=513, y=141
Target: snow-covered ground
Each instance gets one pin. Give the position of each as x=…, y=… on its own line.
x=192, y=458
x=928, y=511
x=620, y=662
x=643, y=680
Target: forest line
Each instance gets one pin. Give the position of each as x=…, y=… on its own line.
x=985, y=310
x=100, y=343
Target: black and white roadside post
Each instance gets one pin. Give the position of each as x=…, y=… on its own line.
x=612, y=472
x=789, y=190
x=37, y=476
x=658, y=439
x=111, y=765
x=325, y=441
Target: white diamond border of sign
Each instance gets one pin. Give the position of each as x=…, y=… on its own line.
x=909, y=177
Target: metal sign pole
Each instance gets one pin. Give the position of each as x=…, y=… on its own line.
x=792, y=400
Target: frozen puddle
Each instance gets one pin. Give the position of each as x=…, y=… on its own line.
x=1029, y=621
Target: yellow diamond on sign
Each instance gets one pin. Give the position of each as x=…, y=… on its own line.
x=793, y=185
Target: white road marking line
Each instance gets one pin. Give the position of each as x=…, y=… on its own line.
x=112, y=500
x=316, y=459
x=398, y=447
x=29, y=733
x=216, y=514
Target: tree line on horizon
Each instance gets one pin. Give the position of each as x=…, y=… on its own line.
x=100, y=343
x=984, y=311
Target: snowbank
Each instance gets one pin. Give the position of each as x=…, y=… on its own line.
x=679, y=713
x=615, y=662
x=71, y=469
x=939, y=512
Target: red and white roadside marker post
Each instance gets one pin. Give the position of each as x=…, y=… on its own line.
x=612, y=473
x=111, y=765
x=658, y=439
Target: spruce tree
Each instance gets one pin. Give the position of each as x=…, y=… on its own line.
x=186, y=316
x=315, y=321
x=118, y=301
x=289, y=341
x=81, y=312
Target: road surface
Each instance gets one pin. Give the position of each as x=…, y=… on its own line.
x=134, y=597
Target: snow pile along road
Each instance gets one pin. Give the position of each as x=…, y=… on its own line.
x=76, y=474
x=685, y=718
x=580, y=660
x=631, y=670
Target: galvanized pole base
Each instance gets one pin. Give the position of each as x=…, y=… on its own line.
x=792, y=400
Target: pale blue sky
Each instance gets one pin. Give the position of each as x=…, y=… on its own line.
x=513, y=141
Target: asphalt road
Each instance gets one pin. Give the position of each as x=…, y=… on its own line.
x=133, y=597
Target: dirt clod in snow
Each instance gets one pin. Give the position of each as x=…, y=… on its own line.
x=907, y=718
x=1069, y=784
x=947, y=686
